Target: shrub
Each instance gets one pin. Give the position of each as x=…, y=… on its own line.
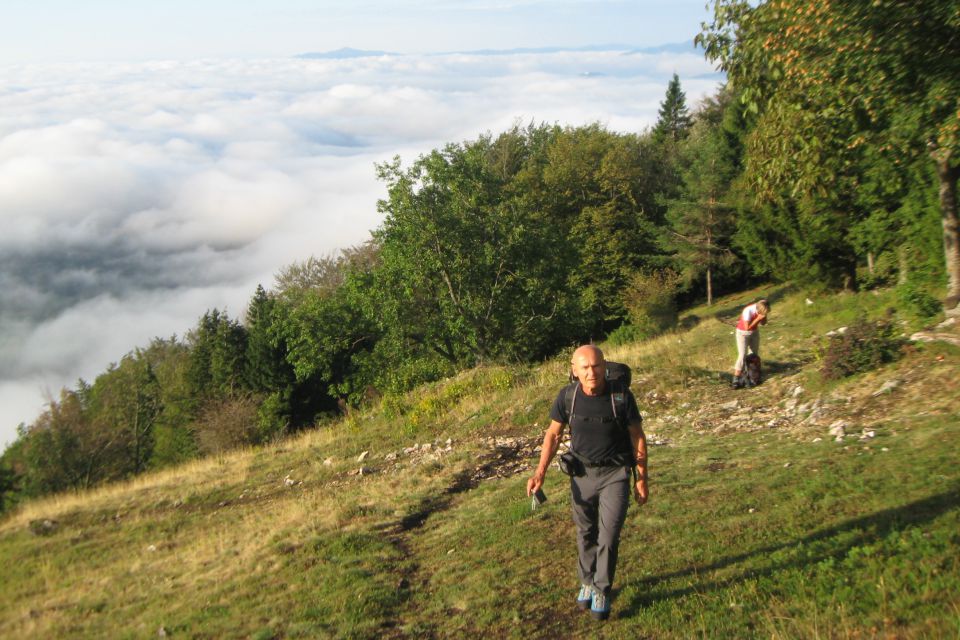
x=650, y=299
x=918, y=300
x=627, y=334
x=884, y=272
x=226, y=424
x=863, y=346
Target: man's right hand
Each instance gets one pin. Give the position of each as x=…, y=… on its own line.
x=534, y=483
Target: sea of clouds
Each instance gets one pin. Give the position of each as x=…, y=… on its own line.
x=134, y=197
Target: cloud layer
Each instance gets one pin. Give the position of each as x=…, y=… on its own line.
x=133, y=197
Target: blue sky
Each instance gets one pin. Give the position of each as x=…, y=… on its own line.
x=137, y=30
x=161, y=159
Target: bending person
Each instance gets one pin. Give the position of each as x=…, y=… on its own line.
x=748, y=335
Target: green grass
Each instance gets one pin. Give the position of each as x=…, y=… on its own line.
x=759, y=523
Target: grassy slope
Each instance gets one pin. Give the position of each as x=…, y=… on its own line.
x=755, y=527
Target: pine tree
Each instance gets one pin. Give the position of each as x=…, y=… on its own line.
x=674, y=121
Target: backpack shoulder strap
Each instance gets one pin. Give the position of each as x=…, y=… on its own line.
x=570, y=399
x=618, y=401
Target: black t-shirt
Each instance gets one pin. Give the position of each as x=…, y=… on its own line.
x=596, y=435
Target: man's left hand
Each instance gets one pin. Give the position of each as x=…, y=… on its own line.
x=640, y=491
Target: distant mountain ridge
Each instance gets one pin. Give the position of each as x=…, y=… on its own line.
x=349, y=53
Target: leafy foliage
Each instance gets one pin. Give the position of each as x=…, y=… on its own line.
x=847, y=92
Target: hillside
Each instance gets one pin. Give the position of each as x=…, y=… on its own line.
x=797, y=509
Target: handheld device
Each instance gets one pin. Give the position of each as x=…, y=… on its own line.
x=539, y=497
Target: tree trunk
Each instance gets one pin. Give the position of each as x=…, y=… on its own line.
x=709, y=288
x=870, y=262
x=903, y=265
x=951, y=228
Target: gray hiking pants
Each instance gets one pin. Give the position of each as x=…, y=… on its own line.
x=600, y=500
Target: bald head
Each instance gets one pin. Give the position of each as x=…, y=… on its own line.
x=589, y=366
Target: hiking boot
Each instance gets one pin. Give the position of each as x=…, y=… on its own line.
x=585, y=597
x=600, y=607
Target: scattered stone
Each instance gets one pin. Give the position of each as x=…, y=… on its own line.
x=152, y=548
x=837, y=332
x=838, y=429
x=730, y=406
x=328, y=462
x=44, y=527
x=363, y=456
x=289, y=481
x=934, y=336
x=390, y=457
x=946, y=324
x=797, y=390
x=752, y=510
x=787, y=465
x=887, y=387
x=884, y=449
x=161, y=633
x=817, y=439
x=866, y=435
x=808, y=301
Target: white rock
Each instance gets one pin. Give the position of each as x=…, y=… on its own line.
x=887, y=387
x=752, y=510
x=328, y=462
x=797, y=390
x=787, y=465
x=152, y=548
x=363, y=456
x=730, y=406
x=838, y=428
x=866, y=435
x=817, y=439
x=809, y=301
x=390, y=457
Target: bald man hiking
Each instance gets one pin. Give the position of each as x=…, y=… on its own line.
x=608, y=454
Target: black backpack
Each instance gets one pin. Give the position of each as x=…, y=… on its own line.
x=752, y=373
x=618, y=376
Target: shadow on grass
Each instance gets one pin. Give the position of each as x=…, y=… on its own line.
x=770, y=368
x=866, y=529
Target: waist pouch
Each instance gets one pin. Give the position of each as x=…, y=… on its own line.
x=574, y=466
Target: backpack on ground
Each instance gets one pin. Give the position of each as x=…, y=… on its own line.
x=752, y=373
